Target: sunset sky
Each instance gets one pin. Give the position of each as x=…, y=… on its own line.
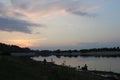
x=60, y=24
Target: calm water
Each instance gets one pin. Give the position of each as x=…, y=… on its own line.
x=94, y=63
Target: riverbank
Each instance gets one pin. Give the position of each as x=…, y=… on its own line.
x=21, y=68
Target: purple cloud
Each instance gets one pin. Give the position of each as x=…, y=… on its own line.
x=11, y=25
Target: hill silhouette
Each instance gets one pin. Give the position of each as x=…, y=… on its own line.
x=7, y=49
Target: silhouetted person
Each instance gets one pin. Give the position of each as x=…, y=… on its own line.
x=78, y=67
x=44, y=61
x=85, y=67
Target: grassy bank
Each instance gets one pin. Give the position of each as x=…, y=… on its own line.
x=18, y=68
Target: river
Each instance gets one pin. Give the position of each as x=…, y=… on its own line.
x=94, y=63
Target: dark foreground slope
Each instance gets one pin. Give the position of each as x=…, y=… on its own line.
x=17, y=68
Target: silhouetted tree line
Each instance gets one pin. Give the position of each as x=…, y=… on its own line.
x=57, y=52
x=7, y=49
x=84, y=50
x=100, y=49
x=43, y=52
x=65, y=51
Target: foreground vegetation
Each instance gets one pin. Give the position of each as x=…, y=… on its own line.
x=19, y=68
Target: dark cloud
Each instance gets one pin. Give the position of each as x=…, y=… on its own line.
x=13, y=14
x=70, y=6
x=11, y=25
x=76, y=12
x=11, y=21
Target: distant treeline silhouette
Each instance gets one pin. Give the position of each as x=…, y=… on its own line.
x=100, y=49
x=82, y=50
x=7, y=49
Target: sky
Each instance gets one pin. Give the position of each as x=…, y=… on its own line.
x=60, y=24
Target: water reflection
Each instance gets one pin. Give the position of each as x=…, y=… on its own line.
x=94, y=63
